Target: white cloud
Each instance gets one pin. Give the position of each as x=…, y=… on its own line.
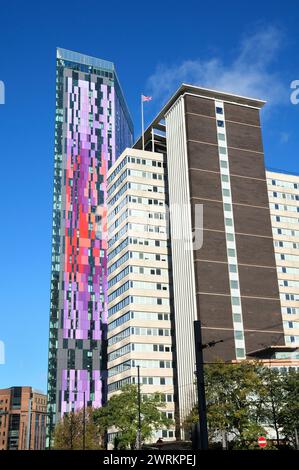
x=248, y=74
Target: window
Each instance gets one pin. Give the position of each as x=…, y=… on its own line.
x=232, y=268
x=237, y=318
x=223, y=164
x=221, y=136
x=229, y=222
x=220, y=123
x=235, y=301
x=231, y=252
x=239, y=334
x=224, y=178
x=226, y=192
x=240, y=352
x=222, y=150
x=219, y=110
x=227, y=207
x=234, y=284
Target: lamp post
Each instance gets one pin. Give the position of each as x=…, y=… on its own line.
x=50, y=414
x=139, y=410
x=203, y=443
x=84, y=423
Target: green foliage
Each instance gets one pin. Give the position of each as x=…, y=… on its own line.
x=289, y=413
x=121, y=412
x=243, y=398
x=68, y=432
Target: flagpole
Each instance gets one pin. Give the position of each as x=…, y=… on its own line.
x=142, y=122
x=153, y=140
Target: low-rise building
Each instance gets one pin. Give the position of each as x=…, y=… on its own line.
x=22, y=419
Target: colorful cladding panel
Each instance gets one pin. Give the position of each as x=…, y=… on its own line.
x=90, y=147
x=92, y=128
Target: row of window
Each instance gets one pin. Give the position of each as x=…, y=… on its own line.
x=117, y=208
x=138, y=347
x=286, y=231
x=137, y=241
x=118, y=221
x=290, y=310
x=119, y=262
x=135, y=186
x=284, y=207
x=290, y=297
x=135, y=161
x=148, y=228
x=149, y=316
x=137, y=285
x=146, y=161
x=147, y=214
x=118, y=248
x=287, y=283
x=291, y=324
x=283, y=244
x=117, y=183
x=139, y=214
x=146, y=174
x=139, y=300
x=290, y=196
x=137, y=270
x=139, y=331
x=117, y=169
x=292, y=339
x=119, y=384
x=286, y=257
x=138, y=228
x=147, y=187
x=283, y=184
x=286, y=220
x=145, y=364
x=117, y=195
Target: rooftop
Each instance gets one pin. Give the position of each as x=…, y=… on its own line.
x=202, y=92
x=84, y=59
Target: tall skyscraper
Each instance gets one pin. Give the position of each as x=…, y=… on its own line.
x=284, y=206
x=92, y=127
x=139, y=311
x=212, y=143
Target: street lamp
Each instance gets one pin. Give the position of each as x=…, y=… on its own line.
x=50, y=414
x=139, y=410
x=203, y=443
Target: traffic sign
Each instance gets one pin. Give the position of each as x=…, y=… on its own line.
x=262, y=441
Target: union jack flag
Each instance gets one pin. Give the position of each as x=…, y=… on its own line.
x=146, y=98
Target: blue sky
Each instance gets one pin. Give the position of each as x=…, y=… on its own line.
x=249, y=48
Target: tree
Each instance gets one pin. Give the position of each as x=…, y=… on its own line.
x=68, y=433
x=289, y=413
x=273, y=398
x=235, y=395
x=121, y=412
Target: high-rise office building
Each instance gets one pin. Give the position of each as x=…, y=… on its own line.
x=92, y=128
x=212, y=145
x=139, y=310
x=23, y=413
x=283, y=191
